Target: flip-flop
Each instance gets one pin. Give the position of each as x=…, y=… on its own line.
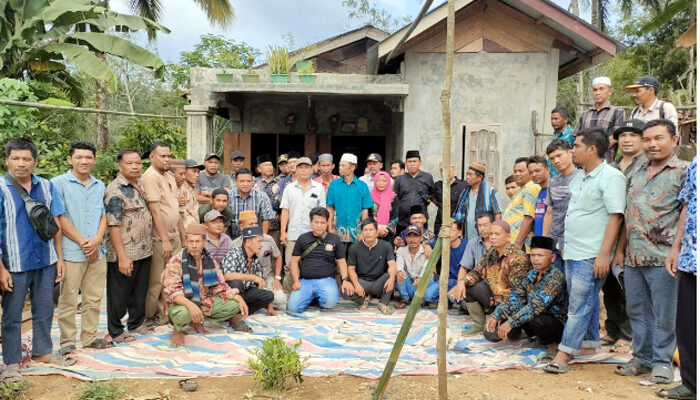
x=241, y=326
x=188, y=385
x=557, y=368
x=661, y=375
x=65, y=350
x=11, y=373
x=143, y=329
x=57, y=359
x=679, y=393
x=99, y=344
x=633, y=368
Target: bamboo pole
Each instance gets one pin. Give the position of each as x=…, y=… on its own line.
x=446, y=217
x=42, y=106
x=408, y=321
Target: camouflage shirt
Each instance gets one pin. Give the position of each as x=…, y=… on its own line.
x=652, y=212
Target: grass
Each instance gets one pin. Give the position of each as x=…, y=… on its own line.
x=101, y=391
x=13, y=390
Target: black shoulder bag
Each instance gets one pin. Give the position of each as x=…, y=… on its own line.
x=39, y=214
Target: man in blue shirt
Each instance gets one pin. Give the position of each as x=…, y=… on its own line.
x=83, y=225
x=562, y=131
x=539, y=173
x=27, y=260
x=348, y=201
x=457, y=247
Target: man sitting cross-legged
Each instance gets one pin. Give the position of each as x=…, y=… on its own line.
x=538, y=305
x=195, y=288
x=371, y=268
x=315, y=257
x=242, y=271
x=411, y=261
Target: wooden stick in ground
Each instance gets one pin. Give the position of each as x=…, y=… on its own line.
x=446, y=217
x=408, y=321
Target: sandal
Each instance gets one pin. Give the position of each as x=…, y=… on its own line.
x=633, y=368
x=548, y=356
x=401, y=304
x=679, y=392
x=385, y=309
x=188, y=385
x=143, y=329
x=99, y=344
x=661, y=375
x=124, y=337
x=65, y=350
x=365, y=304
x=607, y=340
x=58, y=360
x=241, y=326
x=557, y=368
x=11, y=373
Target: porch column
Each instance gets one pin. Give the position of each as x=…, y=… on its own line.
x=200, y=131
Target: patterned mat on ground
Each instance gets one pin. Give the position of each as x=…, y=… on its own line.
x=341, y=341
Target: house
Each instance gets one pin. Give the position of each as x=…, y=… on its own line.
x=510, y=55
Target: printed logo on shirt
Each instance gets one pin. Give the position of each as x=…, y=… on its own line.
x=329, y=247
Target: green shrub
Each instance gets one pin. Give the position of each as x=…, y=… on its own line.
x=276, y=361
x=101, y=391
x=139, y=134
x=13, y=390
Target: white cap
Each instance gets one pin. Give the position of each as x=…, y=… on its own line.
x=349, y=157
x=601, y=80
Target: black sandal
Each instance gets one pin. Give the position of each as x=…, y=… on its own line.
x=679, y=392
x=99, y=344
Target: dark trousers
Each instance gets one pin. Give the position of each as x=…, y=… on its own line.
x=686, y=319
x=617, y=324
x=481, y=293
x=372, y=288
x=546, y=328
x=254, y=297
x=127, y=293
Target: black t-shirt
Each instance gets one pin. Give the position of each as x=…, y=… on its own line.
x=320, y=262
x=370, y=264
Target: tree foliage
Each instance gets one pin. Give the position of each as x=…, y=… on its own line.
x=368, y=12
x=139, y=134
x=219, y=12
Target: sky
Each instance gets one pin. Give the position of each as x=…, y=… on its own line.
x=260, y=23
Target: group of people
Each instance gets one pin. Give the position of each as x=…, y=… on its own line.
x=183, y=242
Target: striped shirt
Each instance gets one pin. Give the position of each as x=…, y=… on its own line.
x=21, y=248
x=218, y=252
x=608, y=119
x=256, y=201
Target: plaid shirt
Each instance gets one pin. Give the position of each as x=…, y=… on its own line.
x=256, y=201
x=608, y=118
x=272, y=190
x=236, y=260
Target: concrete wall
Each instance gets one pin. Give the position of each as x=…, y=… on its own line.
x=488, y=88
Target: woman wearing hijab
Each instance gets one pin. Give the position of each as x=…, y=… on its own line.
x=386, y=209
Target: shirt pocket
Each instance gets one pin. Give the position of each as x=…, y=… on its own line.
x=133, y=204
x=311, y=202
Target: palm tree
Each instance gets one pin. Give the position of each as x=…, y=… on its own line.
x=219, y=12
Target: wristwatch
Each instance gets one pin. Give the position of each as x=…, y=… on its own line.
x=346, y=279
x=279, y=278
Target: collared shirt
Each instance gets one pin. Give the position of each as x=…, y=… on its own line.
x=323, y=183
x=654, y=112
x=473, y=253
x=21, y=248
x=226, y=212
x=272, y=190
x=267, y=254
x=84, y=209
x=256, y=201
x=321, y=260
x=429, y=237
x=533, y=298
x=523, y=204
x=456, y=189
x=413, y=267
x=466, y=209
x=171, y=279
x=637, y=162
x=502, y=272
x=608, y=118
x=652, y=212
x=236, y=260
x=369, y=180
x=208, y=183
x=558, y=195
x=189, y=211
x=412, y=191
x=163, y=189
x=594, y=197
x=371, y=262
x=218, y=252
x=687, y=261
x=300, y=202
x=348, y=200
x=127, y=208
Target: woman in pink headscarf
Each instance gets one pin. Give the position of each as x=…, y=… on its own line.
x=386, y=206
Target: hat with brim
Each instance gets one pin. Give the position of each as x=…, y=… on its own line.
x=212, y=155
x=631, y=125
x=237, y=154
x=304, y=160
x=193, y=164
x=412, y=230
x=644, y=81
x=374, y=157
x=283, y=158
x=212, y=215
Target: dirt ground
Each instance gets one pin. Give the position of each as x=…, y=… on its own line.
x=589, y=381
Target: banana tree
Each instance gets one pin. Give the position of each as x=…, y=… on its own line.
x=51, y=40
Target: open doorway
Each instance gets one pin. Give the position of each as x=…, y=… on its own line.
x=361, y=146
x=274, y=144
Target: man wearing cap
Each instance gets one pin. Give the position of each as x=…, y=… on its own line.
x=652, y=221
x=457, y=186
x=592, y=225
x=649, y=106
x=244, y=197
x=602, y=114
x=190, y=210
x=348, y=201
x=218, y=242
x=316, y=257
x=537, y=305
x=211, y=179
x=242, y=271
x=195, y=288
x=282, y=165
x=300, y=197
x=168, y=231
x=270, y=259
x=374, y=165
x=237, y=162
x=501, y=270
x=477, y=198
x=371, y=269
x=268, y=183
x=629, y=140
x=325, y=167
x=129, y=247
x=219, y=202
x=413, y=187
x=292, y=159
x=520, y=213
x=411, y=262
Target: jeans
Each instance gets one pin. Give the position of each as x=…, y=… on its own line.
x=39, y=283
x=651, y=308
x=407, y=290
x=582, y=326
x=432, y=293
x=326, y=289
